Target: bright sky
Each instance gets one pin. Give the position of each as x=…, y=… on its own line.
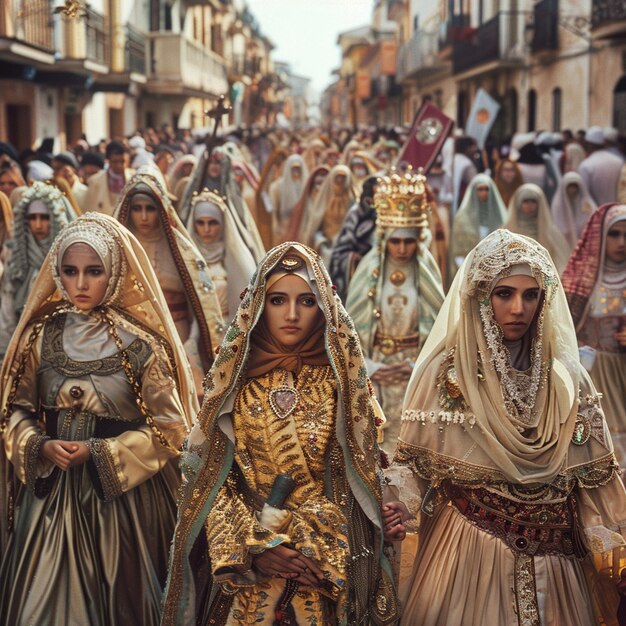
x=305, y=32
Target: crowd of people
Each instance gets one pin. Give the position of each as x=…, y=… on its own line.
x=238, y=371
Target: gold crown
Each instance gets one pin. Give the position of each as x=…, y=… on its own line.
x=402, y=200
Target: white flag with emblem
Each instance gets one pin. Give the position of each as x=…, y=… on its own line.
x=482, y=116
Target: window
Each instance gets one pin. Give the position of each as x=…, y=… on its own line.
x=462, y=109
x=511, y=112
x=532, y=110
x=556, y=109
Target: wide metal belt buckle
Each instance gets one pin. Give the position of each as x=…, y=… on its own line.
x=388, y=346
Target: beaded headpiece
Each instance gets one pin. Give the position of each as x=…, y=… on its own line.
x=94, y=230
x=498, y=253
x=401, y=200
x=290, y=264
x=207, y=195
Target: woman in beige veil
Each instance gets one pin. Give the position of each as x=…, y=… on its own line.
x=320, y=227
x=230, y=265
x=571, y=207
x=529, y=214
x=306, y=201
x=146, y=210
x=97, y=398
x=508, y=449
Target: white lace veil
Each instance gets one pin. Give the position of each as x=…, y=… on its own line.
x=463, y=406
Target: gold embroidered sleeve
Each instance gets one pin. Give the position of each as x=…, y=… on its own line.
x=24, y=434
x=234, y=536
x=108, y=483
x=319, y=530
x=133, y=457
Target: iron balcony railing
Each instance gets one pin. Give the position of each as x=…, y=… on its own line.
x=606, y=12
x=499, y=39
x=135, y=50
x=417, y=54
x=96, y=37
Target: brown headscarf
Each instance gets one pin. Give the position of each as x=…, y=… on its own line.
x=267, y=353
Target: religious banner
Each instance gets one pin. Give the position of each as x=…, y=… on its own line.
x=481, y=118
x=428, y=133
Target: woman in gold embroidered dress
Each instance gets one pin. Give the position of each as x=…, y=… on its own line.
x=505, y=436
x=96, y=403
x=146, y=210
x=287, y=394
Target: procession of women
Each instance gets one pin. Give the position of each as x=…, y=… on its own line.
x=284, y=378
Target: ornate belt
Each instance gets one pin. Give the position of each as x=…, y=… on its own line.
x=527, y=528
x=390, y=345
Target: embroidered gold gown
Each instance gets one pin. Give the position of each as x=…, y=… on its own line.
x=267, y=445
x=90, y=545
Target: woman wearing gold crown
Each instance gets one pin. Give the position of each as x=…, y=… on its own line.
x=396, y=292
x=145, y=209
x=506, y=440
x=96, y=401
x=230, y=264
x=288, y=395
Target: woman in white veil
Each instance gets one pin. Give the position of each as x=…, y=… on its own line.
x=509, y=453
x=229, y=261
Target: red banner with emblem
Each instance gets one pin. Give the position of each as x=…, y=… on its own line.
x=429, y=131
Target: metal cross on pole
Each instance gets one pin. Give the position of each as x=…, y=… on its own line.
x=216, y=114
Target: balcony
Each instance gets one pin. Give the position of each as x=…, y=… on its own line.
x=27, y=35
x=135, y=50
x=608, y=19
x=127, y=63
x=179, y=66
x=419, y=56
x=546, y=26
x=85, y=47
x=97, y=40
x=498, y=42
x=237, y=66
x=242, y=66
x=453, y=29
